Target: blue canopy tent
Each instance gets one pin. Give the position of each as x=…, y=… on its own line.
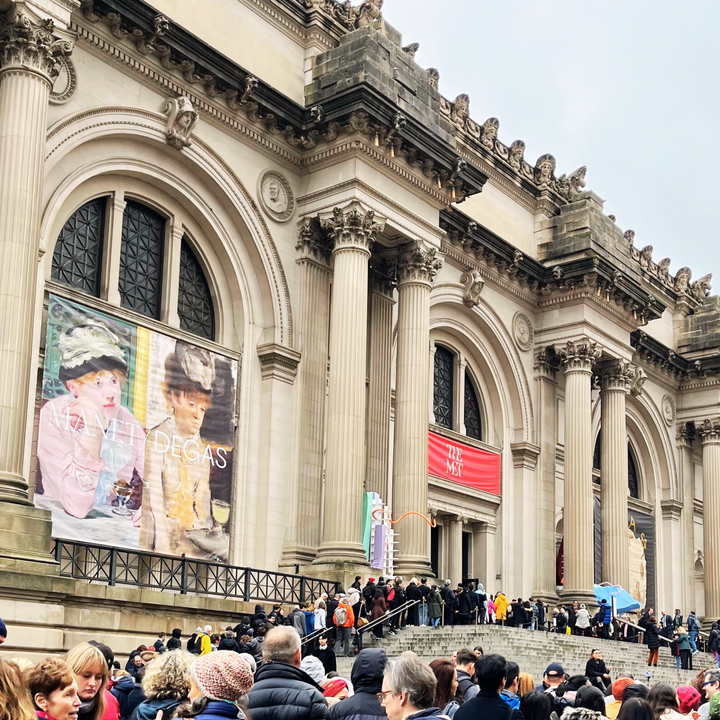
x=624, y=601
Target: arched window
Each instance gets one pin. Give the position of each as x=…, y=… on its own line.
x=195, y=306
x=77, y=259
x=141, y=259
x=473, y=420
x=443, y=387
x=633, y=474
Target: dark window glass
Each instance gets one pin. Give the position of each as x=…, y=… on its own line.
x=195, y=306
x=473, y=422
x=443, y=388
x=77, y=257
x=141, y=259
x=633, y=485
x=597, y=454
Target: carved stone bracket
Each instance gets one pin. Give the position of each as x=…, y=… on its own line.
x=278, y=362
x=27, y=44
x=580, y=356
x=417, y=263
x=356, y=228
x=473, y=285
x=181, y=121
x=710, y=431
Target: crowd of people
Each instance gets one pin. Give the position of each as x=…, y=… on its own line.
x=164, y=681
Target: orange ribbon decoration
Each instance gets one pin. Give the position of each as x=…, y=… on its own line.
x=431, y=523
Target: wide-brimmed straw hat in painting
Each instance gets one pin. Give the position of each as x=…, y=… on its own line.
x=90, y=347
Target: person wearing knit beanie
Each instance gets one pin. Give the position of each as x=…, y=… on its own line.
x=618, y=689
x=688, y=699
x=222, y=675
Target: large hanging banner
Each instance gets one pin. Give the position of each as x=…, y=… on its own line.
x=135, y=442
x=464, y=464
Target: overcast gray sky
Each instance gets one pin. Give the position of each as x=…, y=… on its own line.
x=629, y=88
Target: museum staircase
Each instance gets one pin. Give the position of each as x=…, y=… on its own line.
x=533, y=650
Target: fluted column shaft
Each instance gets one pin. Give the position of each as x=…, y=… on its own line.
x=352, y=234
x=615, y=552
x=417, y=268
x=545, y=369
x=27, y=52
x=710, y=436
x=685, y=438
x=378, y=432
x=578, y=358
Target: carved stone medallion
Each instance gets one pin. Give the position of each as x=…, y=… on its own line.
x=276, y=196
x=668, y=410
x=522, y=331
x=65, y=83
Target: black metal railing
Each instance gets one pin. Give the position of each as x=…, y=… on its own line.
x=115, y=566
x=382, y=620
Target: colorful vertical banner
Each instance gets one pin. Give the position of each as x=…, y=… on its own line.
x=136, y=436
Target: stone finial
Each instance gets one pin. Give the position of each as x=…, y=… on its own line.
x=433, y=78
x=515, y=153
x=545, y=169
x=700, y=289
x=646, y=257
x=663, y=268
x=369, y=13
x=612, y=217
x=570, y=185
x=24, y=42
x=412, y=49
x=489, y=133
x=629, y=235
x=682, y=280
x=460, y=109
x=473, y=285
x=418, y=263
x=181, y=120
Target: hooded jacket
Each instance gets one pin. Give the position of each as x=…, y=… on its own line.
x=129, y=695
x=174, y=642
x=220, y=710
x=228, y=642
x=501, y=605
x=652, y=636
x=259, y=618
x=367, y=678
x=284, y=692
x=148, y=710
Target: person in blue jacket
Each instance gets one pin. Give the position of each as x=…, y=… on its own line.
x=604, y=618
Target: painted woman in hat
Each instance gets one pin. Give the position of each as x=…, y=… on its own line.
x=88, y=441
x=176, y=493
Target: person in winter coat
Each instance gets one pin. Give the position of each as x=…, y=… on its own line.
x=320, y=619
x=368, y=594
x=296, y=620
x=218, y=682
x=448, y=597
x=604, y=618
x=259, y=618
x=166, y=685
x=396, y=599
x=693, y=628
x=353, y=595
x=367, y=678
x=713, y=643
x=597, y=672
x=122, y=691
x=652, y=640
x=282, y=691
x=378, y=609
x=344, y=627
x=326, y=655
x=501, y=606
x=228, y=642
x=382, y=585
x=434, y=606
x=413, y=593
x=174, y=642
x=582, y=622
x=488, y=704
x=309, y=613
x=561, y=621
x=684, y=649
x=542, y=618
x=463, y=607
x=241, y=628
x=424, y=590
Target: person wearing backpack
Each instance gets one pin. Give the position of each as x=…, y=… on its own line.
x=344, y=621
x=396, y=599
x=193, y=643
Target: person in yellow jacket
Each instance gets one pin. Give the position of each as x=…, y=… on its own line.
x=501, y=606
x=204, y=639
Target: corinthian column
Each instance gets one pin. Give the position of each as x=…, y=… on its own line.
x=578, y=359
x=28, y=53
x=710, y=436
x=615, y=555
x=314, y=281
x=382, y=285
x=417, y=268
x=352, y=233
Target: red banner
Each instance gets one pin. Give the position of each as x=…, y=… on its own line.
x=464, y=464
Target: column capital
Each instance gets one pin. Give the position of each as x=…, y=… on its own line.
x=382, y=276
x=546, y=362
x=29, y=44
x=580, y=356
x=312, y=243
x=352, y=228
x=710, y=431
x=417, y=263
x=616, y=376
x=685, y=435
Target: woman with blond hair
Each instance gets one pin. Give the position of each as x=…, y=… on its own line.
x=166, y=685
x=15, y=703
x=91, y=674
x=526, y=684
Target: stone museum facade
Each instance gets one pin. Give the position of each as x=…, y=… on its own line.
x=296, y=277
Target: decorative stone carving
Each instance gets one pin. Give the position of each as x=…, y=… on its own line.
x=355, y=227
x=546, y=361
x=523, y=332
x=148, y=45
x=663, y=268
x=181, y=120
x=312, y=242
x=488, y=136
x=682, y=280
x=637, y=380
x=700, y=289
x=646, y=257
x=433, y=78
x=629, y=235
x=412, y=49
x=25, y=43
x=515, y=154
x=570, y=185
x=710, y=431
x=668, y=410
x=276, y=195
x=580, y=355
x=369, y=13
x=65, y=84
x=544, y=169
x=382, y=275
x=460, y=109
x=685, y=434
x=473, y=286
x=417, y=263
x=617, y=376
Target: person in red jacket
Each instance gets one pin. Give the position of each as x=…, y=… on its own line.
x=344, y=621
